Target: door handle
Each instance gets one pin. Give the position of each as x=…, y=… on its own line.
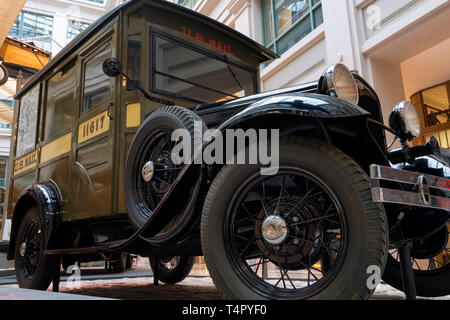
x=110, y=106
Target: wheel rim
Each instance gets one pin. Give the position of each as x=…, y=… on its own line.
x=29, y=250
x=170, y=263
x=157, y=153
x=302, y=261
x=434, y=264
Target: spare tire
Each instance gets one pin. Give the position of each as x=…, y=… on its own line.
x=150, y=171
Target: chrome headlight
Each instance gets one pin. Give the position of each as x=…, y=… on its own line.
x=405, y=121
x=338, y=81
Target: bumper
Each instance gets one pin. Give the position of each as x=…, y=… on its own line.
x=419, y=185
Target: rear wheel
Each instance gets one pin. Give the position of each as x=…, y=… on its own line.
x=309, y=232
x=33, y=268
x=172, y=270
x=119, y=264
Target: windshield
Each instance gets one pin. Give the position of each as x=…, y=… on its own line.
x=191, y=74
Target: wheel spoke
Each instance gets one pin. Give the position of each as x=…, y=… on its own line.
x=281, y=193
x=312, y=220
x=301, y=262
x=162, y=181
x=281, y=269
x=301, y=201
x=264, y=207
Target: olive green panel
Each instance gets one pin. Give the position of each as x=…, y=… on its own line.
x=122, y=205
x=57, y=171
x=92, y=180
x=201, y=34
x=19, y=185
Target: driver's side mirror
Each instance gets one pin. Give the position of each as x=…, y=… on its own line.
x=112, y=67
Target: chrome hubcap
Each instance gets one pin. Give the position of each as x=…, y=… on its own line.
x=274, y=230
x=148, y=171
x=23, y=249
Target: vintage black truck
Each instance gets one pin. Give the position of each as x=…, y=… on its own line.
x=95, y=175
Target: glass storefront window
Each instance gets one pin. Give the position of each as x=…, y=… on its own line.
x=187, y=3
x=34, y=27
x=433, y=105
x=3, y=170
x=381, y=12
x=75, y=28
x=288, y=21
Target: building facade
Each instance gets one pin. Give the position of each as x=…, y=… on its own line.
x=52, y=24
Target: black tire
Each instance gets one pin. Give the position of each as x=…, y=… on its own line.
x=142, y=197
x=429, y=283
x=119, y=265
x=129, y=264
x=364, y=245
x=4, y=75
x=178, y=273
x=33, y=268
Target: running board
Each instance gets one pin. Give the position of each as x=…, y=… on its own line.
x=419, y=195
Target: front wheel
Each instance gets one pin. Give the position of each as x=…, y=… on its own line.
x=172, y=270
x=309, y=232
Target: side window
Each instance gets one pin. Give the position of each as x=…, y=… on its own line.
x=26, y=132
x=134, y=60
x=97, y=85
x=60, y=101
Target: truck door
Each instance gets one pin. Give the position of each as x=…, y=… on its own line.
x=95, y=139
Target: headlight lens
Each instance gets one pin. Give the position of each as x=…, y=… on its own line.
x=338, y=81
x=405, y=121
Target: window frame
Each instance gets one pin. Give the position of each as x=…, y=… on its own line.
x=140, y=63
x=153, y=71
x=44, y=102
x=40, y=88
x=277, y=38
x=97, y=48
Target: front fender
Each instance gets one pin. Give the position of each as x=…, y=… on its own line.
x=301, y=104
x=47, y=199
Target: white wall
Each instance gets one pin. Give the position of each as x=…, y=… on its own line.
x=428, y=68
x=388, y=82
x=5, y=140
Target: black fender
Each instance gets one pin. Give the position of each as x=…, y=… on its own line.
x=307, y=105
x=333, y=120
x=46, y=197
